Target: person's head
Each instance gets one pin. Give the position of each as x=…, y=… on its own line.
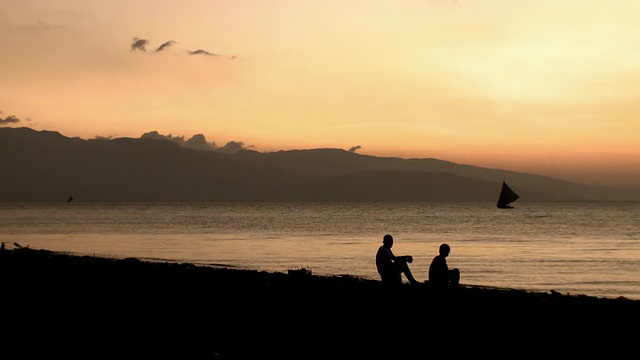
x=387, y=240
x=445, y=249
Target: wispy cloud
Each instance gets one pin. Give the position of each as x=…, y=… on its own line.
x=165, y=45
x=139, y=44
x=202, y=52
x=207, y=53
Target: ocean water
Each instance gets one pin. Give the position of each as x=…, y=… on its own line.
x=573, y=248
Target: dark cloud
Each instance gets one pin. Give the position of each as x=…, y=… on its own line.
x=206, y=53
x=165, y=45
x=201, y=52
x=234, y=146
x=139, y=44
x=9, y=120
x=355, y=148
x=98, y=137
x=197, y=142
x=156, y=135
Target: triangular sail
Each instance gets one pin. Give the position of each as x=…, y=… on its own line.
x=507, y=196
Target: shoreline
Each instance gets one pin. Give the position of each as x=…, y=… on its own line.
x=203, y=310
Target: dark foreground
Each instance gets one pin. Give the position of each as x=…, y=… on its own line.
x=63, y=305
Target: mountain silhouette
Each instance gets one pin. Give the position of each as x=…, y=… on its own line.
x=45, y=166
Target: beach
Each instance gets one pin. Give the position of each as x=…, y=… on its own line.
x=145, y=308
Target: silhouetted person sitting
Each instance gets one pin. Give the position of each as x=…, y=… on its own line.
x=439, y=273
x=391, y=267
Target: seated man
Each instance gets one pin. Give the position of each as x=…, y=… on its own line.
x=391, y=267
x=439, y=273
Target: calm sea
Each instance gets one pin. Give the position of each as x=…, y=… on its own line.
x=575, y=248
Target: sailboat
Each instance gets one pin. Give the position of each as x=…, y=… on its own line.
x=507, y=196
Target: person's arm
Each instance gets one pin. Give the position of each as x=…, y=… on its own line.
x=393, y=257
x=406, y=258
x=436, y=270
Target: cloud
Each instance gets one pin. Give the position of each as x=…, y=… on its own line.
x=9, y=120
x=355, y=148
x=206, y=53
x=98, y=137
x=234, y=146
x=197, y=142
x=139, y=44
x=165, y=45
x=156, y=135
x=201, y=52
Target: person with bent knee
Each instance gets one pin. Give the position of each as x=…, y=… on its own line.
x=391, y=267
x=439, y=273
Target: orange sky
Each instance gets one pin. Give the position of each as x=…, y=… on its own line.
x=540, y=86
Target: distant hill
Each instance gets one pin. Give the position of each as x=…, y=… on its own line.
x=45, y=166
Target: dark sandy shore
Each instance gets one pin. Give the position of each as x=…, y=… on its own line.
x=118, y=307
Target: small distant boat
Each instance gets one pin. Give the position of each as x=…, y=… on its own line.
x=507, y=196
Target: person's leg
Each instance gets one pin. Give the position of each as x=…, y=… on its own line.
x=404, y=268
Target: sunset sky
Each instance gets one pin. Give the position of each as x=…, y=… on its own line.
x=543, y=86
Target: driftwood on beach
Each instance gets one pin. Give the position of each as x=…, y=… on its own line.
x=212, y=311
